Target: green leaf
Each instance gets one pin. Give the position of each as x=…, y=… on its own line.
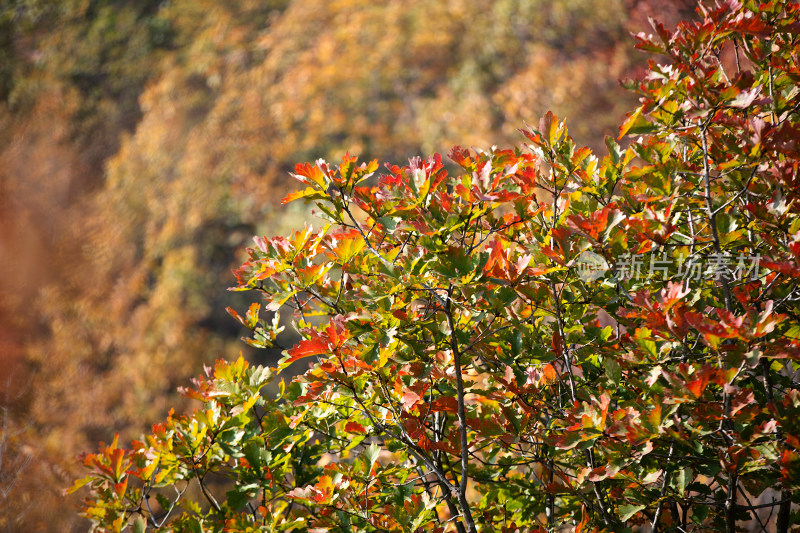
x=239, y=497
x=163, y=501
x=139, y=525
x=626, y=511
x=700, y=513
x=682, y=480
x=613, y=370
x=370, y=455
x=643, y=338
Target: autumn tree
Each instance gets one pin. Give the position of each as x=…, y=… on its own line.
x=544, y=340
x=141, y=143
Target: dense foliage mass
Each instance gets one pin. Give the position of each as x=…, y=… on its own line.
x=143, y=142
x=543, y=340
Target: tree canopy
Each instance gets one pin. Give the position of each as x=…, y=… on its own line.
x=541, y=339
x=141, y=143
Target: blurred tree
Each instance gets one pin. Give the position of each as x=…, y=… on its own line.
x=70, y=76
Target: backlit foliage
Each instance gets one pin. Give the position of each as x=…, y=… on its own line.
x=142, y=142
x=481, y=355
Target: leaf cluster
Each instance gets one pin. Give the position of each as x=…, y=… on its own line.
x=485, y=354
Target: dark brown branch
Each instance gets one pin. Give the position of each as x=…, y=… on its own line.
x=462, y=417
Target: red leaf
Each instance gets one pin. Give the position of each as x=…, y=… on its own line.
x=445, y=404
x=497, y=265
x=326, y=341
x=354, y=427
x=119, y=488
x=461, y=157
x=307, y=348
x=703, y=376
x=584, y=521
x=556, y=344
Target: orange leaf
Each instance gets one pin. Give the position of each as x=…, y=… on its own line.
x=550, y=373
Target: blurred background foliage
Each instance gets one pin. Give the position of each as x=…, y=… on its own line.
x=143, y=143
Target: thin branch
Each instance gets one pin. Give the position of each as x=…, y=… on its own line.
x=657, y=516
x=733, y=478
x=462, y=417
